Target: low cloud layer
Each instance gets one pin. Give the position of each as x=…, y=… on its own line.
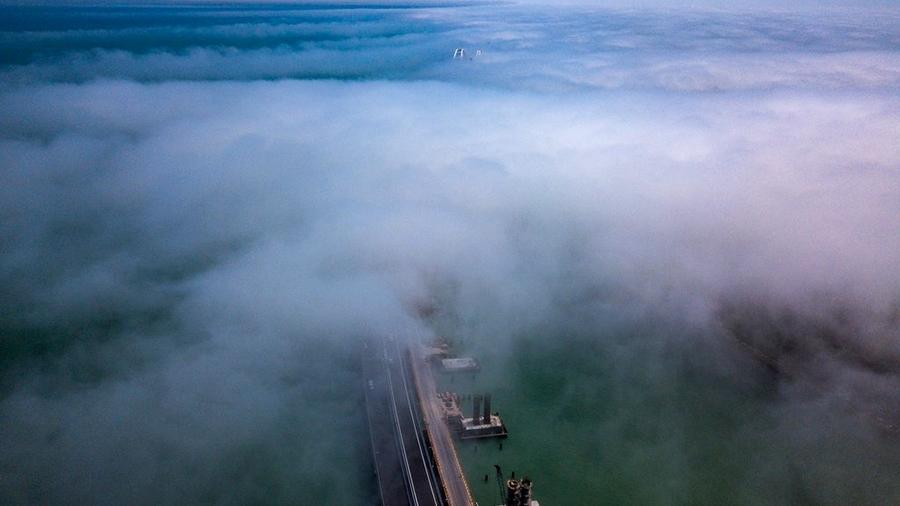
x=204, y=209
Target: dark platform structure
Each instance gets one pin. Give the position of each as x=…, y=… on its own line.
x=483, y=423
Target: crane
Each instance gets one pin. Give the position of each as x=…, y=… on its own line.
x=500, y=484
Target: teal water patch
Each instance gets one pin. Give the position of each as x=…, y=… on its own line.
x=43, y=34
x=623, y=419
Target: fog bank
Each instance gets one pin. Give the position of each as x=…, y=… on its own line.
x=203, y=213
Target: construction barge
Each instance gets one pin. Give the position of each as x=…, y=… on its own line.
x=414, y=428
x=482, y=423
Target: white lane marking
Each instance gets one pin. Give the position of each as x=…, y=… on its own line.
x=400, y=430
x=418, y=442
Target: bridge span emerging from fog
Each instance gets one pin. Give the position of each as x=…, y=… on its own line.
x=415, y=456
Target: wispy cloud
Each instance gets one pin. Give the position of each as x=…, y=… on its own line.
x=200, y=218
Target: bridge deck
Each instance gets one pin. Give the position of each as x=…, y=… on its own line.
x=385, y=451
x=403, y=462
x=455, y=487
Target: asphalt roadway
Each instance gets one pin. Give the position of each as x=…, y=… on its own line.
x=406, y=476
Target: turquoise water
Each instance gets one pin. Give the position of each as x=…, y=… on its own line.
x=125, y=393
x=607, y=419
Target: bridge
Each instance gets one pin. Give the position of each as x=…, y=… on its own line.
x=415, y=456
